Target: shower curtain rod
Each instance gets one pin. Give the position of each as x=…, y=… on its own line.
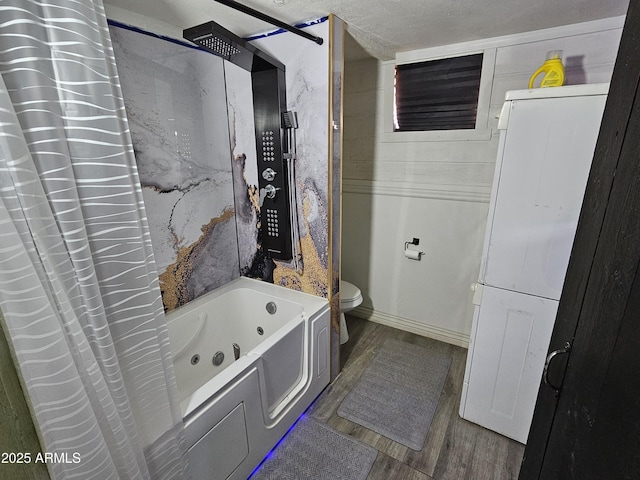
x=274, y=21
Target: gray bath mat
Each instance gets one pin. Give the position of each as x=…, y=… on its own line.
x=398, y=393
x=314, y=451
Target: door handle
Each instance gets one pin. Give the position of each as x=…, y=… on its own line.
x=550, y=357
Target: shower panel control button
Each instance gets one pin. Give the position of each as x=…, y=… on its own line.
x=269, y=174
x=272, y=223
x=268, y=151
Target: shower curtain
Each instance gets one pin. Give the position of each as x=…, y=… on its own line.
x=78, y=285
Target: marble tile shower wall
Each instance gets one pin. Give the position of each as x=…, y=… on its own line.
x=191, y=120
x=177, y=111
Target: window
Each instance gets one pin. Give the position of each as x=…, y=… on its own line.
x=438, y=94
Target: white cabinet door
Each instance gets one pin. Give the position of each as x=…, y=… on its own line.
x=543, y=173
x=506, y=359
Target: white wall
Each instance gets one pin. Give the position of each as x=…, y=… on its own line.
x=436, y=185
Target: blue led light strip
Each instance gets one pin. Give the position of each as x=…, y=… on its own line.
x=271, y=452
x=282, y=30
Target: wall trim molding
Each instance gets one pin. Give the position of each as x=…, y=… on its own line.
x=408, y=325
x=460, y=193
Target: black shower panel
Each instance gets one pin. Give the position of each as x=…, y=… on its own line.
x=269, y=103
x=269, y=100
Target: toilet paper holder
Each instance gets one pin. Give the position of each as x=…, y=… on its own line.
x=410, y=253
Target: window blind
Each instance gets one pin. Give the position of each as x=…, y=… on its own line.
x=438, y=94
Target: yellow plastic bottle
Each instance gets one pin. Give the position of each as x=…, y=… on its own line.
x=553, y=70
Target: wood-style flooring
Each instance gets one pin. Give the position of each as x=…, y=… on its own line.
x=455, y=449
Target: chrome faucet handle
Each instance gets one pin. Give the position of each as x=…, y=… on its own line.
x=271, y=191
x=268, y=191
x=269, y=174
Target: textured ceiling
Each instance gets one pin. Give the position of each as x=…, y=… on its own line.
x=384, y=27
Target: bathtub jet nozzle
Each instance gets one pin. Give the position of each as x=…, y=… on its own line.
x=236, y=351
x=217, y=359
x=272, y=308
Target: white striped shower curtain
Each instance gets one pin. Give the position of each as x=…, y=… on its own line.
x=78, y=284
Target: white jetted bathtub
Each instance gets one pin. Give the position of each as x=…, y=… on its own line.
x=250, y=357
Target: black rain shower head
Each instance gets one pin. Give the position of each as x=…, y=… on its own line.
x=216, y=39
x=221, y=42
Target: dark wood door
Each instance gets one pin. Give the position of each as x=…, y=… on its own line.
x=590, y=429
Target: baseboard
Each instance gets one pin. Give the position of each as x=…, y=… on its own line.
x=425, y=330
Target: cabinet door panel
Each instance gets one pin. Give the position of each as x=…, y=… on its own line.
x=508, y=354
x=542, y=180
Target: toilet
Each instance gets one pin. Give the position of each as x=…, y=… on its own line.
x=350, y=298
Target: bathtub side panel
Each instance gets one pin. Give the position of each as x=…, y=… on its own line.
x=320, y=350
x=284, y=365
x=217, y=416
x=222, y=448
